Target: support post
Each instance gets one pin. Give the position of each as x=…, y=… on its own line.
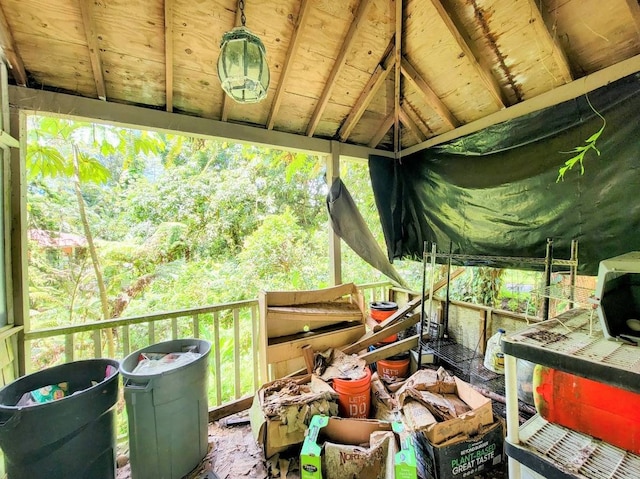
x=333, y=173
x=548, y=260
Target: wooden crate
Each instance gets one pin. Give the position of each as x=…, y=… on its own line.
x=290, y=320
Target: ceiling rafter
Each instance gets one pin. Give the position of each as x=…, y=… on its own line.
x=382, y=130
x=226, y=101
x=397, y=56
x=11, y=52
x=557, y=52
x=94, y=50
x=428, y=94
x=168, y=52
x=634, y=8
x=489, y=81
x=337, y=66
x=408, y=122
x=378, y=77
x=417, y=119
x=286, y=69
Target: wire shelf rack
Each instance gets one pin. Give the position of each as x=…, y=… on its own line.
x=564, y=297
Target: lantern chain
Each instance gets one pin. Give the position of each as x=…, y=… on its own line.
x=243, y=19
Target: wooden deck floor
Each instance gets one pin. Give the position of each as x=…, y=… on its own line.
x=234, y=454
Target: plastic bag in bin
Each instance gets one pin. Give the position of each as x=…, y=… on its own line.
x=156, y=363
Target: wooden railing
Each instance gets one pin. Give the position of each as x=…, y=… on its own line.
x=232, y=328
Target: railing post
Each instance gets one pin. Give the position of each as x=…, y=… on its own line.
x=216, y=345
x=69, y=348
x=236, y=352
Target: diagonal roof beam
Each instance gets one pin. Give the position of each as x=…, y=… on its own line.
x=634, y=8
x=411, y=125
x=418, y=119
x=490, y=83
x=293, y=49
x=378, y=77
x=384, y=128
x=557, y=53
x=8, y=46
x=397, y=56
x=337, y=66
x=94, y=51
x=168, y=53
x=428, y=94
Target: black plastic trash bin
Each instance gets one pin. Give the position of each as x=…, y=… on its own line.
x=168, y=413
x=72, y=437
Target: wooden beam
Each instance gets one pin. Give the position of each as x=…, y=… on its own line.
x=168, y=53
x=558, y=95
x=286, y=69
x=131, y=116
x=557, y=53
x=634, y=9
x=428, y=94
x=396, y=84
x=384, y=128
x=485, y=75
x=337, y=66
x=414, y=114
x=409, y=123
x=378, y=77
x=230, y=408
x=94, y=50
x=11, y=52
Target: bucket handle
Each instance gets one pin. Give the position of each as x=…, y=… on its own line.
x=143, y=388
x=11, y=422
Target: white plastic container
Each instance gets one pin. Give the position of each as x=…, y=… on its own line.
x=494, y=357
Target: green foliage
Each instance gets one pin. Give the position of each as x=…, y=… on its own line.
x=581, y=151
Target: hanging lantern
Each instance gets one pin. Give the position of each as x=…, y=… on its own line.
x=242, y=65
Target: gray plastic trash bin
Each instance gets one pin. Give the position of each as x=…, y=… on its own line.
x=168, y=413
x=72, y=437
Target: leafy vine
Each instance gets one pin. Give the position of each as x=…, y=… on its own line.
x=581, y=151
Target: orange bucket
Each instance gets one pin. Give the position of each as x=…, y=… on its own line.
x=393, y=368
x=381, y=310
x=354, y=396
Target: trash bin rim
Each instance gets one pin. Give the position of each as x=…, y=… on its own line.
x=31, y=407
x=146, y=376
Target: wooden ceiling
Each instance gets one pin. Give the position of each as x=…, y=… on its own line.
x=380, y=73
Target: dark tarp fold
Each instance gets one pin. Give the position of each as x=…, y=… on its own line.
x=494, y=192
x=349, y=225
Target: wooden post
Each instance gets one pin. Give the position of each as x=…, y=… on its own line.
x=333, y=173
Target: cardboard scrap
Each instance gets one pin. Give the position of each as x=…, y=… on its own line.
x=346, y=462
x=384, y=405
x=343, y=366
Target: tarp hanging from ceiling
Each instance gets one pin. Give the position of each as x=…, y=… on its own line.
x=348, y=224
x=494, y=192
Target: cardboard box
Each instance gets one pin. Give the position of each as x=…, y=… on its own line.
x=461, y=458
x=275, y=435
x=466, y=424
x=345, y=436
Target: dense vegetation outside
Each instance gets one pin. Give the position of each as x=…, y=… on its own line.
x=124, y=223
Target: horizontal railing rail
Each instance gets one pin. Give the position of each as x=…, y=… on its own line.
x=232, y=328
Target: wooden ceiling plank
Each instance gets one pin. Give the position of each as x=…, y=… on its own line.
x=428, y=94
x=557, y=53
x=411, y=125
x=286, y=70
x=384, y=128
x=378, y=77
x=396, y=85
x=417, y=119
x=490, y=83
x=94, y=50
x=168, y=52
x=11, y=52
x=357, y=23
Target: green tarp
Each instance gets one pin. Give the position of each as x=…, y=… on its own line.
x=494, y=192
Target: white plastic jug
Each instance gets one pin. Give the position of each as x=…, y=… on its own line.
x=494, y=358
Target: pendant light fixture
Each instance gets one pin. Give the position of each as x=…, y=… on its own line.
x=242, y=65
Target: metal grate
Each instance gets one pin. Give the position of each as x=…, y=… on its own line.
x=578, y=453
